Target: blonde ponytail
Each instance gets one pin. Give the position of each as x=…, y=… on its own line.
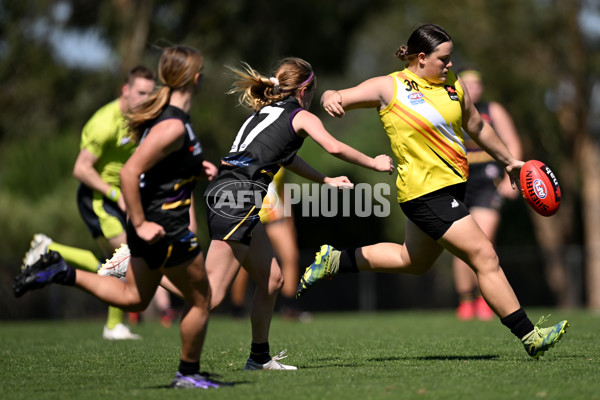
x=177, y=68
x=257, y=91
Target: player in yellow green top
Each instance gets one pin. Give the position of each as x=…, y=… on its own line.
x=105, y=147
x=424, y=109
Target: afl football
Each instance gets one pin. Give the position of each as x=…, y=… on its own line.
x=540, y=188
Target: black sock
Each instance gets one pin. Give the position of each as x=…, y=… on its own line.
x=260, y=352
x=189, y=368
x=518, y=323
x=348, y=261
x=237, y=311
x=289, y=302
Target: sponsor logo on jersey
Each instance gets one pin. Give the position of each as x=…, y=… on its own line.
x=195, y=149
x=452, y=93
x=416, y=98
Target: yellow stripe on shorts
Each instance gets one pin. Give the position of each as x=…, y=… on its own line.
x=238, y=225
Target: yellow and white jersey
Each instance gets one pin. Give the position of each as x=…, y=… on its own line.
x=423, y=122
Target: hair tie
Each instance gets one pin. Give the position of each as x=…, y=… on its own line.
x=306, y=82
x=402, y=52
x=276, y=87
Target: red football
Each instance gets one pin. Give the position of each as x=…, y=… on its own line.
x=540, y=187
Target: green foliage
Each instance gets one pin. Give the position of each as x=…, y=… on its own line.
x=40, y=95
x=408, y=355
x=34, y=168
x=39, y=194
x=53, y=213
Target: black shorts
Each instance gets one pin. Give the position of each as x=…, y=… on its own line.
x=231, y=223
x=166, y=252
x=481, y=186
x=102, y=216
x=434, y=213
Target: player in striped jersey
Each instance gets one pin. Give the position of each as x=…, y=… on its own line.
x=268, y=140
x=423, y=109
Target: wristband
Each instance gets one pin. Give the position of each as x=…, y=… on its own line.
x=113, y=193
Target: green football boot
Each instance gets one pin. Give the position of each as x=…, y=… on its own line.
x=325, y=266
x=541, y=339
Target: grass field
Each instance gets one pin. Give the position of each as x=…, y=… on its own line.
x=391, y=355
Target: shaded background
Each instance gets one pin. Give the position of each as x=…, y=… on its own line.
x=62, y=60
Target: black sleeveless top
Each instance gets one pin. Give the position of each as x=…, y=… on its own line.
x=166, y=189
x=265, y=142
